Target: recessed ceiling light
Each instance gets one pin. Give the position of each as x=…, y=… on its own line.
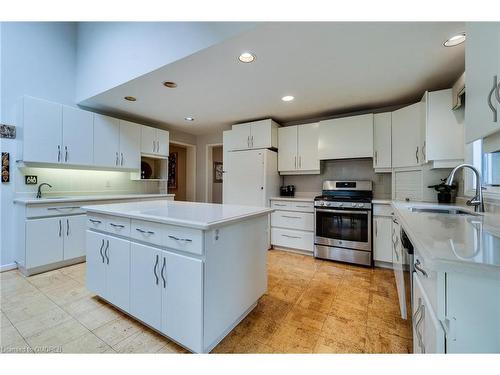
x=455, y=40
x=287, y=98
x=170, y=84
x=246, y=57
x=130, y=98
x=189, y=118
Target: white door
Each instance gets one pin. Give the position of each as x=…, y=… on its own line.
x=148, y=140
x=344, y=138
x=260, y=134
x=382, y=148
x=406, y=133
x=244, y=180
x=74, y=236
x=146, y=284
x=44, y=241
x=241, y=137
x=130, y=145
x=287, y=146
x=482, y=64
x=96, y=266
x=382, y=247
x=117, y=254
x=163, y=140
x=308, y=135
x=78, y=136
x=106, y=141
x=182, y=303
x=42, y=122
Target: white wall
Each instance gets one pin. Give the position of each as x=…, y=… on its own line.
x=37, y=59
x=112, y=53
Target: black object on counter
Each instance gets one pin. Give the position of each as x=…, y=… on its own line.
x=446, y=194
x=287, y=191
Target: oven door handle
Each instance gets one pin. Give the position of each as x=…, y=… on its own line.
x=341, y=211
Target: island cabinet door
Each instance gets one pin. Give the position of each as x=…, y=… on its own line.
x=117, y=253
x=96, y=266
x=182, y=299
x=146, y=285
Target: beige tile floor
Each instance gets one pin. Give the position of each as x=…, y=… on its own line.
x=311, y=306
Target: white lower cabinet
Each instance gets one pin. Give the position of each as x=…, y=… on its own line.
x=382, y=247
x=74, y=240
x=108, y=268
x=428, y=334
x=166, y=293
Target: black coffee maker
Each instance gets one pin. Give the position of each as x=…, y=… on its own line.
x=287, y=191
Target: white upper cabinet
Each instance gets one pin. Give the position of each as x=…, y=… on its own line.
x=130, y=154
x=346, y=138
x=482, y=80
x=298, y=149
x=77, y=136
x=443, y=130
x=254, y=135
x=106, y=141
x=407, y=125
x=154, y=141
x=42, y=130
x=382, y=144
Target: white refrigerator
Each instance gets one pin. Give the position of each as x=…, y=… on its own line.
x=250, y=177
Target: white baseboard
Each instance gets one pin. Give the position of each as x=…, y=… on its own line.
x=8, y=267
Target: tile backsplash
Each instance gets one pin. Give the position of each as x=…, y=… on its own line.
x=348, y=169
x=81, y=182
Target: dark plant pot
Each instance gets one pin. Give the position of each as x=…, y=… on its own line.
x=444, y=197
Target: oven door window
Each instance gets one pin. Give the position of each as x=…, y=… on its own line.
x=342, y=225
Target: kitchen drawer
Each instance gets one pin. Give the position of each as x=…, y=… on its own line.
x=429, y=282
x=382, y=209
x=147, y=231
x=280, y=205
x=302, y=206
x=118, y=225
x=183, y=239
x=96, y=221
x=292, y=238
x=293, y=220
x=54, y=210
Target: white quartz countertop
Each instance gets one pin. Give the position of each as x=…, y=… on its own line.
x=460, y=243
x=82, y=198
x=203, y=216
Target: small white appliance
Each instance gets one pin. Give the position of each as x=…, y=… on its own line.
x=250, y=177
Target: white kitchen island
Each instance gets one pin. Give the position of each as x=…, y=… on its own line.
x=191, y=271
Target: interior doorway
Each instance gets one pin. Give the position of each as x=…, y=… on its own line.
x=182, y=171
x=213, y=186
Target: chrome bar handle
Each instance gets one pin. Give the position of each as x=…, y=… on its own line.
x=95, y=221
x=295, y=162
x=376, y=157
x=60, y=228
x=252, y=141
x=288, y=236
x=248, y=141
x=67, y=227
x=58, y=153
x=497, y=93
x=376, y=229
x=490, y=104
x=122, y=159
x=63, y=208
x=291, y=217
x=116, y=161
x=416, y=154
x=162, y=271
x=300, y=162
x=419, y=268
x=65, y=153
x=180, y=239
x=144, y=231
x=106, y=251
x=100, y=250
x=423, y=151
x=154, y=269
x=117, y=225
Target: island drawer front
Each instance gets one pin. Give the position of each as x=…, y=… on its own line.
x=54, y=210
x=292, y=238
x=382, y=209
x=183, y=239
x=118, y=225
x=96, y=221
x=147, y=231
x=280, y=205
x=293, y=220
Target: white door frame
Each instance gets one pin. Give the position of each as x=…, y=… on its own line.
x=190, y=169
x=208, y=170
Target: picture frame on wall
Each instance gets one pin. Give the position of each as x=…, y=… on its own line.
x=218, y=172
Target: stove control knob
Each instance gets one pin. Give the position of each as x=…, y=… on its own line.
x=341, y=204
x=360, y=205
x=354, y=204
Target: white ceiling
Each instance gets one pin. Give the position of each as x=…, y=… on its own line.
x=329, y=67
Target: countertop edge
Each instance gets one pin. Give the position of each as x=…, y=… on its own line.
x=87, y=198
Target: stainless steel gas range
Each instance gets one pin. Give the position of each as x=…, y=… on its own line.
x=344, y=222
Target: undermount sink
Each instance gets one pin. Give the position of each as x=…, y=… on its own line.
x=448, y=211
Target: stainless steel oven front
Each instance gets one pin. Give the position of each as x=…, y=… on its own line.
x=345, y=228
